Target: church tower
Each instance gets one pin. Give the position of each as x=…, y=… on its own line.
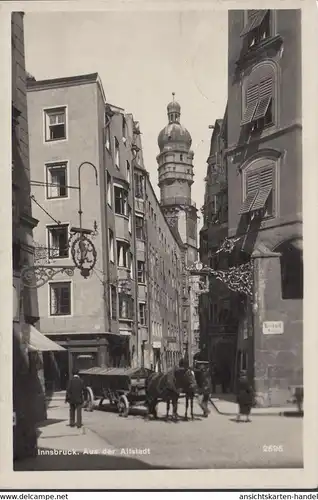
x=175, y=172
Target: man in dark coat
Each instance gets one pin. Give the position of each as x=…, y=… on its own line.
x=204, y=384
x=75, y=398
x=244, y=397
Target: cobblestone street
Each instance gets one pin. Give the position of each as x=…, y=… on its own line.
x=217, y=442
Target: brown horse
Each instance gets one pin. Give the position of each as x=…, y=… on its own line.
x=167, y=387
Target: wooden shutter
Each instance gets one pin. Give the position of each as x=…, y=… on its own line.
x=252, y=182
x=255, y=19
x=265, y=188
x=264, y=99
x=248, y=202
x=252, y=98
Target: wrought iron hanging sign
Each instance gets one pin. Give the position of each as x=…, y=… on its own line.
x=37, y=275
x=82, y=249
x=84, y=254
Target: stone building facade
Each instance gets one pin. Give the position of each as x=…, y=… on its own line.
x=28, y=395
x=263, y=161
x=105, y=319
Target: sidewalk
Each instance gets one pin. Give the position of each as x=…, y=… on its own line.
x=225, y=407
x=61, y=447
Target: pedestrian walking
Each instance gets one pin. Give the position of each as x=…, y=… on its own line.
x=75, y=398
x=244, y=397
x=204, y=385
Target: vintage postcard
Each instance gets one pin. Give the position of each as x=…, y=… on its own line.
x=160, y=185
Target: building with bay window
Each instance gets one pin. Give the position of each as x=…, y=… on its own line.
x=108, y=319
x=262, y=167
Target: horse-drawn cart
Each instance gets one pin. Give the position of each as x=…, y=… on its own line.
x=123, y=387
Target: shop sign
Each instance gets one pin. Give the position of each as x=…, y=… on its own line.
x=273, y=327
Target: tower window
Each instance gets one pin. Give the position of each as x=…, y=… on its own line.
x=181, y=157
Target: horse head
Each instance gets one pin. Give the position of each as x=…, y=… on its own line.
x=185, y=379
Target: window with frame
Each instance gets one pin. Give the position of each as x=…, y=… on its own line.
x=58, y=247
x=259, y=191
x=124, y=130
x=125, y=306
x=257, y=28
x=55, y=124
x=258, y=103
x=116, y=149
x=111, y=245
x=131, y=259
x=107, y=138
x=122, y=254
x=140, y=224
x=120, y=200
x=109, y=189
x=113, y=301
x=142, y=313
x=60, y=298
x=56, y=180
x=128, y=171
x=141, y=271
x=139, y=186
x=129, y=220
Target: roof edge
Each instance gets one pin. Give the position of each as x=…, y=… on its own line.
x=68, y=81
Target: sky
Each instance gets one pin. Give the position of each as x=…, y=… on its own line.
x=141, y=58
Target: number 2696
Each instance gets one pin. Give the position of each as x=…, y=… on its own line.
x=272, y=448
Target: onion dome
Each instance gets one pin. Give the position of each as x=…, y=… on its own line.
x=173, y=107
x=174, y=135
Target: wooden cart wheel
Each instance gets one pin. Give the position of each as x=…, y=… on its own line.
x=89, y=403
x=123, y=406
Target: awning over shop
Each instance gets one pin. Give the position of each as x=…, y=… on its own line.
x=39, y=342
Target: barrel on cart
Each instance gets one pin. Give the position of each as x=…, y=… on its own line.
x=122, y=387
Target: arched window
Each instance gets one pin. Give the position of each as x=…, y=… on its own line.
x=259, y=97
x=260, y=187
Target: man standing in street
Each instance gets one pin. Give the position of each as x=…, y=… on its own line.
x=75, y=398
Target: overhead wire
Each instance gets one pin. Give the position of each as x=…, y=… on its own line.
x=58, y=222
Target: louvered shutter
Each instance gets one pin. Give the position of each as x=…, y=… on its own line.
x=252, y=98
x=265, y=188
x=265, y=96
x=252, y=182
x=252, y=187
x=248, y=202
x=255, y=19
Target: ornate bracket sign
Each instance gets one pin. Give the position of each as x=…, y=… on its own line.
x=84, y=254
x=238, y=279
x=37, y=276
